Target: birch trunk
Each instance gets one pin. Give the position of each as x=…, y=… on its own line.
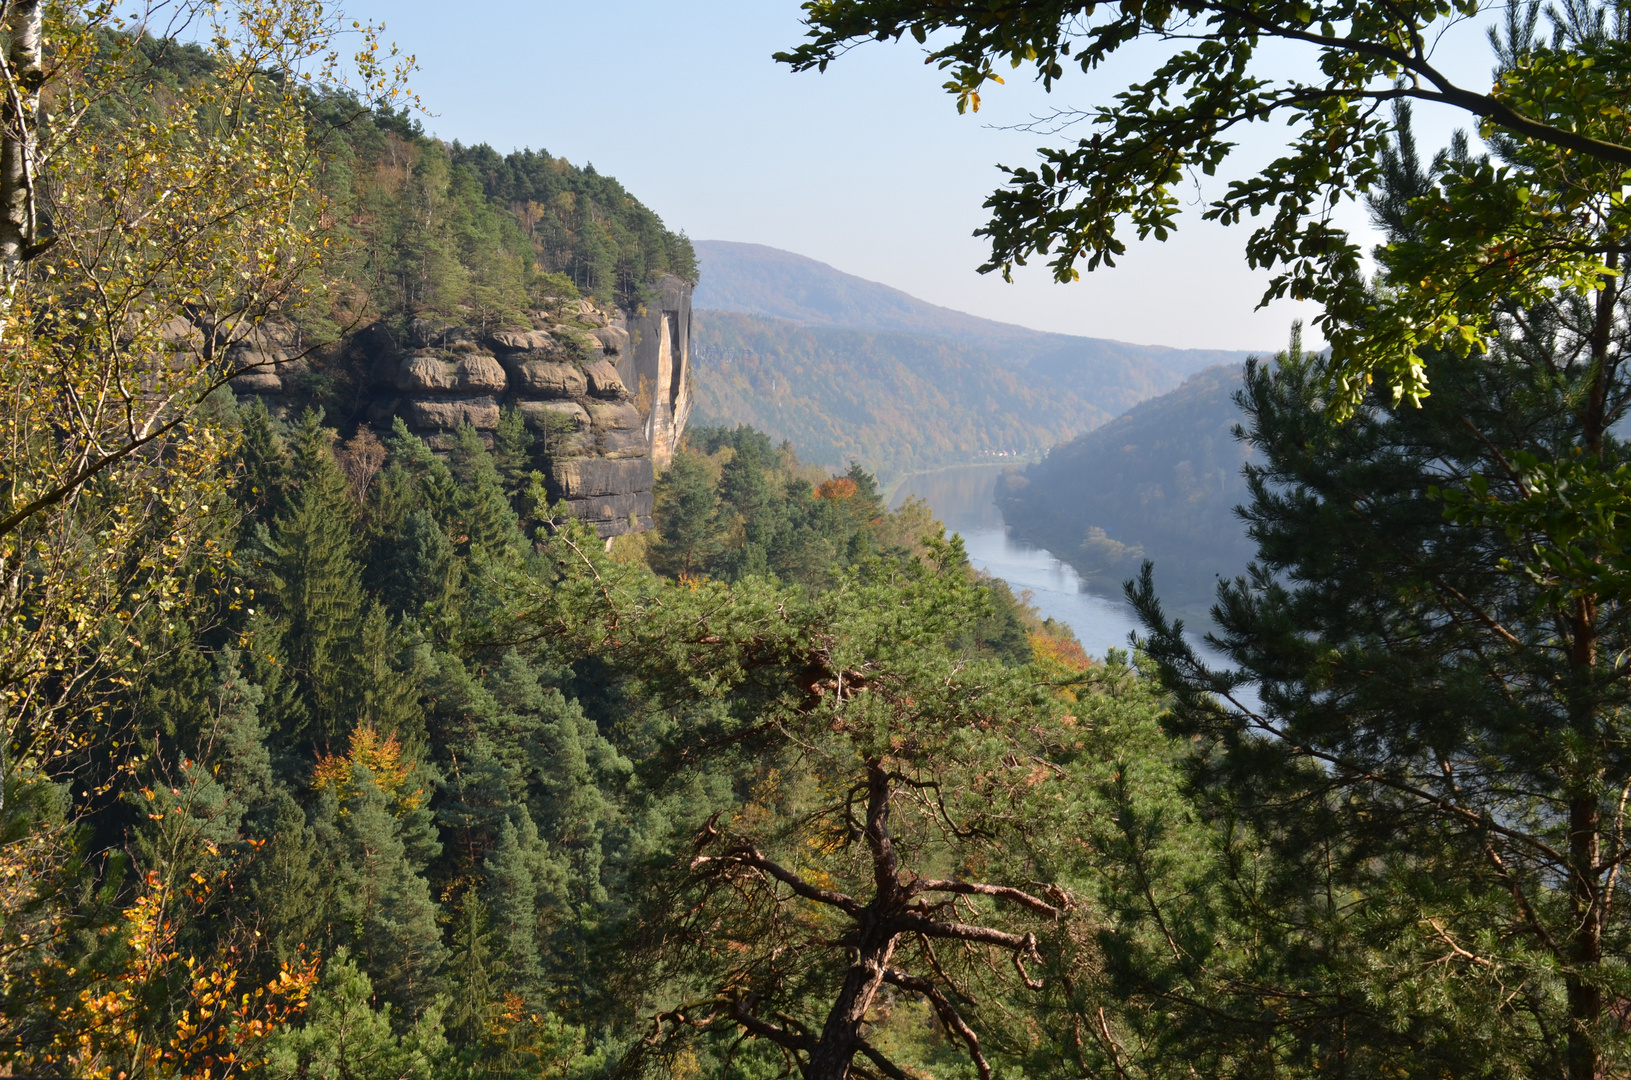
x=19, y=135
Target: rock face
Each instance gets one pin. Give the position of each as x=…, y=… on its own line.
x=656, y=363
x=605, y=391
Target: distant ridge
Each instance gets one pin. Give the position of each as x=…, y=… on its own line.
x=1159, y=482
x=756, y=280
x=851, y=370
x=753, y=279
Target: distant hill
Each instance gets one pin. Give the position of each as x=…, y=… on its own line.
x=894, y=402
x=1160, y=483
x=850, y=369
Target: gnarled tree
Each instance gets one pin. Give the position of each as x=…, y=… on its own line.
x=907, y=825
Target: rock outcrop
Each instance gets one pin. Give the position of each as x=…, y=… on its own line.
x=606, y=392
x=656, y=364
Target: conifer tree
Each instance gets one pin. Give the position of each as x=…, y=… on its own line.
x=288, y=887
x=432, y=483
x=421, y=571
x=747, y=510
x=382, y=906
x=513, y=446
x=384, y=696
x=313, y=582
x=1431, y=773
x=476, y=800
x=686, y=510
x=474, y=973
x=512, y=898
x=487, y=523
x=236, y=741
x=264, y=482
x=577, y=769
x=283, y=710
x=346, y=1035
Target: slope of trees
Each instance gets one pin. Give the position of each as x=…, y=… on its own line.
x=582, y=224
x=412, y=749
x=1160, y=483
x=328, y=755
x=1419, y=808
x=893, y=402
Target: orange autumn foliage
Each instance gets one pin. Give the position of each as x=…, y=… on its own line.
x=109, y=1032
x=1064, y=652
x=837, y=489
x=382, y=757
x=1061, y=659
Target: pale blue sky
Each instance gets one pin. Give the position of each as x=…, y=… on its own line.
x=867, y=167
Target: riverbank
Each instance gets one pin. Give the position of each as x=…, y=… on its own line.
x=964, y=498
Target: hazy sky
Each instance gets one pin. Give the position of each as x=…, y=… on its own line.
x=867, y=167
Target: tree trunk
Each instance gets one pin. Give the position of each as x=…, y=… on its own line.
x=841, y=1035
x=19, y=134
x=1586, y=950
x=1586, y=899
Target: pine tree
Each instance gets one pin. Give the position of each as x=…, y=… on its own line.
x=288, y=885
x=346, y=1035
x=512, y=897
x=381, y=904
x=686, y=510
x=1426, y=775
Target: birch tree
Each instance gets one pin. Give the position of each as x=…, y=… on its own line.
x=149, y=226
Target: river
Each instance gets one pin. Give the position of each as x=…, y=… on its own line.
x=964, y=498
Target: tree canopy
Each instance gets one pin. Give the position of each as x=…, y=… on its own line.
x=1557, y=101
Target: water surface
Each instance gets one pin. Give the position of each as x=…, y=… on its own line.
x=965, y=499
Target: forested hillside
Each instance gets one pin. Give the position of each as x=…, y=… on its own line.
x=1161, y=483
x=893, y=402
x=328, y=750
x=330, y=754
x=435, y=796
x=851, y=370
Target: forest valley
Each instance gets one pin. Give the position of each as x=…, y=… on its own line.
x=328, y=753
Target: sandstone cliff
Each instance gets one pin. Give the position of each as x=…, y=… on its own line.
x=606, y=391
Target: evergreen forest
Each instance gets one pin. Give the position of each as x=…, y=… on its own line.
x=329, y=752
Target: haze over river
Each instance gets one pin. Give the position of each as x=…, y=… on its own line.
x=964, y=498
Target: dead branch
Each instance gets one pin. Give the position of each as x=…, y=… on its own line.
x=1001, y=892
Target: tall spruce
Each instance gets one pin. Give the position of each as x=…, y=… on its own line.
x=313, y=581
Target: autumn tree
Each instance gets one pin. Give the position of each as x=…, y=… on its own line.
x=150, y=225
x=150, y=233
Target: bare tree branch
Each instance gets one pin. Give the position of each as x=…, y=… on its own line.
x=947, y=1012
x=1001, y=892
x=750, y=856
